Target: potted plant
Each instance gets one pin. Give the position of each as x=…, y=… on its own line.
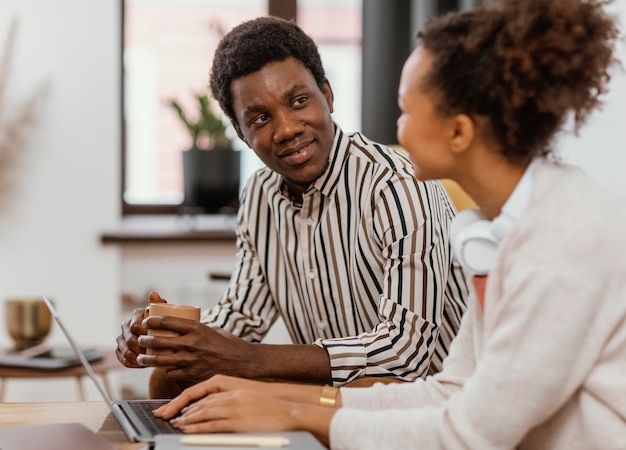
x=211, y=171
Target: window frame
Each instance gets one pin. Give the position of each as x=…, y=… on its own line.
x=286, y=9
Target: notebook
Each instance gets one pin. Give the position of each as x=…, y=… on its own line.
x=293, y=440
x=134, y=416
x=46, y=358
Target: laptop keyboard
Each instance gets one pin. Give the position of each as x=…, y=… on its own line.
x=155, y=424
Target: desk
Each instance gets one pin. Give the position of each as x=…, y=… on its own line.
x=100, y=367
x=94, y=415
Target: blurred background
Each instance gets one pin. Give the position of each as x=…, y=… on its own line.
x=92, y=214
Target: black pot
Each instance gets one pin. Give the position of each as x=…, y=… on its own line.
x=211, y=179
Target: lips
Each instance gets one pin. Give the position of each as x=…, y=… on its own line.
x=298, y=154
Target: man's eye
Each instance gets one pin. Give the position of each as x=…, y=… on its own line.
x=260, y=119
x=300, y=100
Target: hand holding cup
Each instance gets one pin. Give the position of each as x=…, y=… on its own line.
x=171, y=310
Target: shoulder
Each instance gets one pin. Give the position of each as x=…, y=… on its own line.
x=261, y=182
x=394, y=185
x=566, y=194
x=570, y=219
x=568, y=244
x=384, y=157
x=390, y=168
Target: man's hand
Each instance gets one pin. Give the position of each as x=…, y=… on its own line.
x=199, y=351
x=128, y=347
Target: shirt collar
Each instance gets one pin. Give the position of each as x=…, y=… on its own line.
x=329, y=179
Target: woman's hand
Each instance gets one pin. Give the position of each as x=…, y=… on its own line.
x=229, y=404
x=236, y=411
x=222, y=383
x=244, y=411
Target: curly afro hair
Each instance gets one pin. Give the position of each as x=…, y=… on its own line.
x=253, y=44
x=525, y=65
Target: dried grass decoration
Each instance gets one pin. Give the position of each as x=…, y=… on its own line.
x=15, y=122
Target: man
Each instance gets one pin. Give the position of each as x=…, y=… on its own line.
x=334, y=235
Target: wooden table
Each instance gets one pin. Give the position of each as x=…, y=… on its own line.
x=100, y=367
x=94, y=415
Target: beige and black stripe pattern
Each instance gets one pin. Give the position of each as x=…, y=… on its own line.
x=363, y=267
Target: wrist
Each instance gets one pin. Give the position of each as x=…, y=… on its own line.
x=312, y=418
x=251, y=362
x=328, y=396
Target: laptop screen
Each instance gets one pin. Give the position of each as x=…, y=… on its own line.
x=79, y=352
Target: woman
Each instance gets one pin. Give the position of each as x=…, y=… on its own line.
x=539, y=359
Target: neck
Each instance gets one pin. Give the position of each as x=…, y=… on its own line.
x=491, y=183
x=295, y=191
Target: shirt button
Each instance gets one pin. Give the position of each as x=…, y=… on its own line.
x=311, y=275
x=309, y=222
x=322, y=324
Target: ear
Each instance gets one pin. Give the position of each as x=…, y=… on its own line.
x=239, y=133
x=462, y=134
x=328, y=94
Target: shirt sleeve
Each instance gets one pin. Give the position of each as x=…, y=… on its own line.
x=246, y=308
x=410, y=225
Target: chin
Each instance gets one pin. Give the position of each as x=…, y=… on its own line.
x=308, y=175
x=303, y=181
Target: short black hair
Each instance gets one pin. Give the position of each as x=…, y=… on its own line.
x=251, y=45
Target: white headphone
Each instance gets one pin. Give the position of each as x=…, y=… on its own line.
x=475, y=239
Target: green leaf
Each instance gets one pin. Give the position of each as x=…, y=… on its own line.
x=207, y=122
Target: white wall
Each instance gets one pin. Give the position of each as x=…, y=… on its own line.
x=601, y=146
x=67, y=190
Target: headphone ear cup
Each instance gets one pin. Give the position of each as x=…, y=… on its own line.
x=476, y=247
x=473, y=243
x=475, y=238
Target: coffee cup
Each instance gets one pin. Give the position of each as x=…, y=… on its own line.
x=172, y=310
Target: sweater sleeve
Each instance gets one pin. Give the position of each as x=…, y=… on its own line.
x=431, y=391
x=535, y=355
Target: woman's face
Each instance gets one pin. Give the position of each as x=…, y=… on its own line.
x=422, y=130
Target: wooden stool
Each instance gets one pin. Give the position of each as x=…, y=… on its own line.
x=101, y=367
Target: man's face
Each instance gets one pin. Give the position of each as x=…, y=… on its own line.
x=285, y=117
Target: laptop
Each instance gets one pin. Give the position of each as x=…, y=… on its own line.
x=136, y=419
x=134, y=416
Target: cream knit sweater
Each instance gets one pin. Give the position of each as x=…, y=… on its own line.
x=544, y=365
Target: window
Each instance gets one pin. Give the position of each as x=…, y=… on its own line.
x=168, y=47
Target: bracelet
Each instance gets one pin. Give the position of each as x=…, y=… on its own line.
x=329, y=396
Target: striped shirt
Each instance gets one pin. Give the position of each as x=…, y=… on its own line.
x=362, y=267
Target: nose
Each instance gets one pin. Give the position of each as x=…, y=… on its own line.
x=287, y=126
